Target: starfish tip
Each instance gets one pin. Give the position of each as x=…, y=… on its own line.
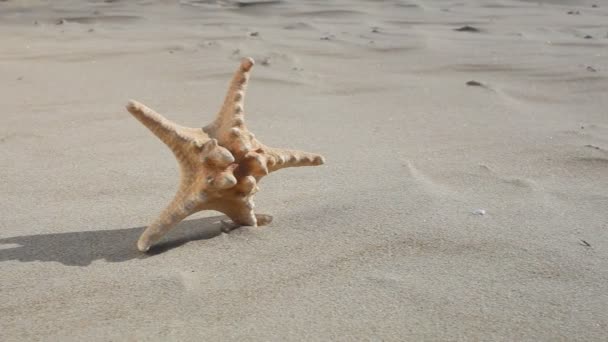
x=247, y=63
x=143, y=246
x=132, y=105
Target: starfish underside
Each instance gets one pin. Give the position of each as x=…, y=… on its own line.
x=221, y=164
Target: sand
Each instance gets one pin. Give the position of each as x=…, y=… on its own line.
x=381, y=243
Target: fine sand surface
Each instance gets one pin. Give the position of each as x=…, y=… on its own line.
x=381, y=243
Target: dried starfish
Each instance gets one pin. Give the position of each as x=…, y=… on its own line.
x=221, y=164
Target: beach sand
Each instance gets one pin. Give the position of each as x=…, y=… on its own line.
x=444, y=212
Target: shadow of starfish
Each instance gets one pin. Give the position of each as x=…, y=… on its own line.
x=82, y=248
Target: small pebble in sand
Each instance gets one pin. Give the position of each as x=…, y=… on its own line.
x=91, y=30
x=594, y=6
x=19, y=78
x=325, y=38
x=467, y=28
x=265, y=61
x=574, y=12
x=479, y=212
x=591, y=69
x=584, y=243
x=588, y=36
x=375, y=30
x=474, y=84
x=60, y=22
x=236, y=51
x=36, y=22
x=254, y=34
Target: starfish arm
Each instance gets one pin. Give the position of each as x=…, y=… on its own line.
x=176, y=137
x=180, y=207
x=262, y=220
x=238, y=206
x=244, y=218
x=231, y=113
x=281, y=158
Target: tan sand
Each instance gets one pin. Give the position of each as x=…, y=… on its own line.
x=381, y=243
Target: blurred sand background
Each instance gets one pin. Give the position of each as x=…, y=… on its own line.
x=381, y=243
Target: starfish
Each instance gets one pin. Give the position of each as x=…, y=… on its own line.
x=220, y=164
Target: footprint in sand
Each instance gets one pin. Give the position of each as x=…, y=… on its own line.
x=523, y=183
x=429, y=185
x=298, y=26
x=99, y=19
x=592, y=161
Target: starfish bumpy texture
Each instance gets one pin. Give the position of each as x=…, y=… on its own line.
x=221, y=164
